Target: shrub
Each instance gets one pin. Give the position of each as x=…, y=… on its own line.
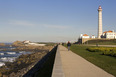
x=110, y=51
x=93, y=49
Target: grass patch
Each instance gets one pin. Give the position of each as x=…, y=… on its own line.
x=107, y=63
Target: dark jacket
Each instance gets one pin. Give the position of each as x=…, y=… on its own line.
x=68, y=44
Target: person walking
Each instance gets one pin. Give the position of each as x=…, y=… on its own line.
x=68, y=45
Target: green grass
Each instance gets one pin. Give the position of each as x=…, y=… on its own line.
x=107, y=63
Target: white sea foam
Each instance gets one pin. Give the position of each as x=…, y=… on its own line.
x=1, y=53
x=1, y=64
x=22, y=52
x=9, y=56
x=3, y=58
x=11, y=52
x=8, y=59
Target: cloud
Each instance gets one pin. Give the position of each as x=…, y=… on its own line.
x=21, y=23
x=29, y=24
x=56, y=26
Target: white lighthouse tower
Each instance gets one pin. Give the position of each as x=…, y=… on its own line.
x=99, y=22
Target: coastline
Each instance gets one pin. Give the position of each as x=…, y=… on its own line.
x=27, y=59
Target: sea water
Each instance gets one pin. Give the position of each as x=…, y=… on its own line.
x=9, y=55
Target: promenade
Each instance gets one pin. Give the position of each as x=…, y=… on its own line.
x=75, y=66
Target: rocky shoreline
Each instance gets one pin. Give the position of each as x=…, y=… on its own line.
x=33, y=48
x=25, y=62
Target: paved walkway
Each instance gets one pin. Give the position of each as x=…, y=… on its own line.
x=75, y=66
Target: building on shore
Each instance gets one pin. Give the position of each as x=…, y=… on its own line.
x=84, y=36
x=93, y=37
x=109, y=35
x=101, y=35
x=27, y=43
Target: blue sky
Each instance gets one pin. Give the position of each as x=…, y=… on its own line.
x=53, y=20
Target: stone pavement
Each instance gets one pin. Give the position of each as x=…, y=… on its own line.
x=76, y=66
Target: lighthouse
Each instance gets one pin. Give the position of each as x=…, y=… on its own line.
x=99, y=22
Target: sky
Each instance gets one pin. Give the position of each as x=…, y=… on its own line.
x=53, y=20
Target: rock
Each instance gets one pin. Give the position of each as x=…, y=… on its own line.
x=4, y=76
x=18, y=43
x=2, y=44
x=25, y=62
x=12, y=74
x=0, y=74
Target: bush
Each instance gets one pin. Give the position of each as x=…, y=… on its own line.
x=93, y=49
x=110, y=51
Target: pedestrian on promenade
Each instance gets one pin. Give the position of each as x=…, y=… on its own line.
x=63, y=44
x=68, y=45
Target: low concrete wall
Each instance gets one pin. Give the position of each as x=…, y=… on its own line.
x=57, y=68
x=83, y=40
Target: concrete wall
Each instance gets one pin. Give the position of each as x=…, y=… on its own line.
x=83, y=40
x=57, y=68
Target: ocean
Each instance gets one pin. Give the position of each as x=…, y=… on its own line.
x=8, y=55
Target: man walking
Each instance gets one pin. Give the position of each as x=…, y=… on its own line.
x=68, y=45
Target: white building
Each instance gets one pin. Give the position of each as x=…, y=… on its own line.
x=27, y=43
x=92, y=36
x=84, y=36
x=109, y=34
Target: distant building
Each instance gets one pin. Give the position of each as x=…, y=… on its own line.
x=84, y=36
x=100, y=35
x=27, y=43
x=109, y=34
x=93, y=36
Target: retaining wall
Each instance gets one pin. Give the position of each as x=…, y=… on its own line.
x=57, y=68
